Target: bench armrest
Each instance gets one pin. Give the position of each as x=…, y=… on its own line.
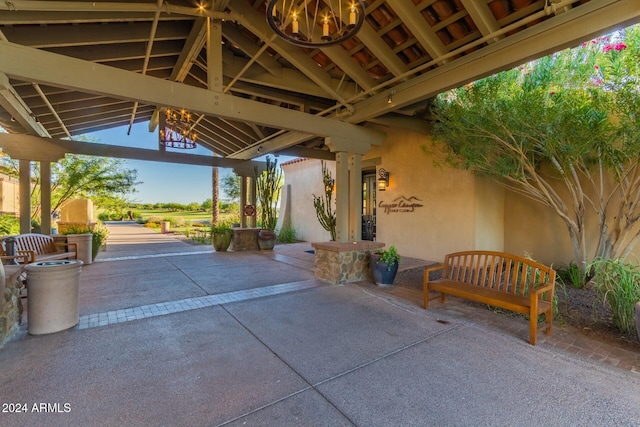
x=69, y=247
x=22, y=258
x=434, y=268
x=428, y=270
x=536, y=293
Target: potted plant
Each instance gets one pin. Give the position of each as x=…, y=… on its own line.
x=81, y=236
x=384, y=266
x=221, y=234
x=268, y=185
x=100, y=234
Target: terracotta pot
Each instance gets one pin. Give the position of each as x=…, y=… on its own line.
x=221, y=241
x=266, y=239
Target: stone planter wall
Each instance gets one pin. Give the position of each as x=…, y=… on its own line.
x=343, y=262
x=245, y=239
x=11, y=308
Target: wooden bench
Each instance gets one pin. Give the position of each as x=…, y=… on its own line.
x=498, y=279
x=40, y=247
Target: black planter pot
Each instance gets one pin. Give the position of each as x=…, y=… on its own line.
x=383, y=274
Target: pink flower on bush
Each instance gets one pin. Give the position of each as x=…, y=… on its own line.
x=597, y=67
x=617, y=47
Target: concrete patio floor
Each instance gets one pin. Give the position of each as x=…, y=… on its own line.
x=173, y=334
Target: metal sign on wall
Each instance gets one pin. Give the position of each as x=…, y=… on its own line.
x=402, y=204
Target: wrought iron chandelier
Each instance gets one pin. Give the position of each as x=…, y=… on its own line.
x=315, y=23
x=176, y=129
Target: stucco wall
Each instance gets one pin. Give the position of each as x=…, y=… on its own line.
x=77, y=210
x=9, y=195
x=537, y=230
x=305, y=178
x=458, y=212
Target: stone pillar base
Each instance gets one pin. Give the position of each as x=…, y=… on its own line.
x=343, y=262
x=245, y=239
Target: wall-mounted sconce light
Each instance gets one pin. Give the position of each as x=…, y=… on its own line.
x=259, y=150
x=383, y=179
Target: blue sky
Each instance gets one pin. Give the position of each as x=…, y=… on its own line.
x=162, y=182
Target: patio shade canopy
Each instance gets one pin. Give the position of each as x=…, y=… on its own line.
x=69, y=68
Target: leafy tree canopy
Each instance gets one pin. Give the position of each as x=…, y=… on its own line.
x=571, y=118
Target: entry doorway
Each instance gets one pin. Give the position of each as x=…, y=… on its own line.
x=369, y=205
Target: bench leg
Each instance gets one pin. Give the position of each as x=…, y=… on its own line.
x=548, y=319
x=425, y=296
x=533, y=329
x=443, y=298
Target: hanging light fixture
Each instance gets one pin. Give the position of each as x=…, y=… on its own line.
x=176, y=129
x=315, y=23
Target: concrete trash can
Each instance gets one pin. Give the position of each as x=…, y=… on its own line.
x=52, y=302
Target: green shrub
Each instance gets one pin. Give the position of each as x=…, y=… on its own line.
x=570, y=275
x=9, y=225
x=76, y=229
x=618, y=283
x=175, y=221
x=100, y=233
x=287, y=235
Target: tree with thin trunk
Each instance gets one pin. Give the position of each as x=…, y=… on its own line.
x=563, y=131
x=215, y=190
x=106, y=181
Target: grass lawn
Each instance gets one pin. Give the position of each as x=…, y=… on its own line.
x=199, y=234
x=186, y=215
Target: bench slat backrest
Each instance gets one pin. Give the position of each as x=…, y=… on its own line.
x=38, y=243
x=497, y=270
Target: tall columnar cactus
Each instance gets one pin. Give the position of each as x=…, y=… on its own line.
x=325, y=211
x=268, y=185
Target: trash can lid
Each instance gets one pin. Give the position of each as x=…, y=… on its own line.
x=54, y=264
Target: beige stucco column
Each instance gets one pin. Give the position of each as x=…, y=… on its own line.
x=45, y=197
x=253, y=199
x=342, y=197
x=25, y=196
x=243, y=200
x=355, y=197
x=348, y=187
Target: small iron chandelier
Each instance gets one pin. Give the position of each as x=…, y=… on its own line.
x=176, y=129
x=383, y=179
x=316, y=23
